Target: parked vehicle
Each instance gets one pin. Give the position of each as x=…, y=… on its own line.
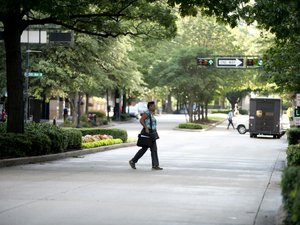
x=264, y=118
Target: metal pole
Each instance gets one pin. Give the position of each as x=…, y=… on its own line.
x=26, y=83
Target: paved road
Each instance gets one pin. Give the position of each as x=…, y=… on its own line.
x=217, y=177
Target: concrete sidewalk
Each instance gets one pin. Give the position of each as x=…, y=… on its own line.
x=216, y=177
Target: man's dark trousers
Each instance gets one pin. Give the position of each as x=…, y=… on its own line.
x=142, y=151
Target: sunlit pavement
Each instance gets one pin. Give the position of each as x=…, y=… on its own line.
x=216, y=177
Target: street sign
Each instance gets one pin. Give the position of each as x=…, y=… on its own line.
x=297, y=112
x=34, y=74
x=231, y=62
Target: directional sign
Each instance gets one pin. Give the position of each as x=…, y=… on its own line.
x=231, y=62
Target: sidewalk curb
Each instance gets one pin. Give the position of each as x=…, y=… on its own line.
x=51, y=157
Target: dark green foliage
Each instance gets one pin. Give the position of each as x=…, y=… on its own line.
x=72, y=139
x=2, y=128
x=190, y=126
x=290, y=192
x=116, y=133
x=293, y=136
x=39, y=139
x=55, y=134
x=40, y=144
x=12, y=145
x=243, y=111
x=293, y=155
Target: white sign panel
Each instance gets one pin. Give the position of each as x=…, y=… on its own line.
x=34, y=37
x=230, y=62
x=297, y=99
x=297, y=121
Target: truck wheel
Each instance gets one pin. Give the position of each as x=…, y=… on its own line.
x=241, y=129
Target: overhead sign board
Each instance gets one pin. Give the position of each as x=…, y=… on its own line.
x=34, y=37
x=231, y=62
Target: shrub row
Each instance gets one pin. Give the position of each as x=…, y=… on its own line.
x=293, y=136
x=291, y=194
x=291, y=179
x=100, y=143
x=190, y=126
x=38, y=139
x=116, y=133
x=44, y=138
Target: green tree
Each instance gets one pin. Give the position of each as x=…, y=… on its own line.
x=102, y=18
x=282, y=66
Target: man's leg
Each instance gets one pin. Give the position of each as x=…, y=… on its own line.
x=139, y=154
x=154, y=155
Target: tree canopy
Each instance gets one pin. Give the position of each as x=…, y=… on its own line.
x=149, y=18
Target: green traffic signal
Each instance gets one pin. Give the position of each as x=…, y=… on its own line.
x=254, y=62
x=205, y=61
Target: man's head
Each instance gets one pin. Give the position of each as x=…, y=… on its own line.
x=151, y=106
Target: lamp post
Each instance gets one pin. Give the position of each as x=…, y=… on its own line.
x=28, y=51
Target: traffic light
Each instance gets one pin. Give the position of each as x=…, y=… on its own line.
x=205, y=61
x=250, y=62
x=254, y=62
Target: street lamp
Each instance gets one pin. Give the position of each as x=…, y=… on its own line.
x=28, y=51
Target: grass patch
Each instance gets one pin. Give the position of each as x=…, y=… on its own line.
x=194, y=126
x=202, y=124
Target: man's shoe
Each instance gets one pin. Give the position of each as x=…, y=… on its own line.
x=132, y=164
x=157, y=168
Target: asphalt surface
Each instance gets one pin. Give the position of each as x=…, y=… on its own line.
x=216, y=177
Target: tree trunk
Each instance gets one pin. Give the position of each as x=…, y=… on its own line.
x=87, y=96
x=124, y=104
x=169, y=104
x=15, y=79
x=206, y=110
x=78, y=97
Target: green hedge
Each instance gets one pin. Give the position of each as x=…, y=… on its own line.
x=100, y=143
x=20, y=145
x=73, y=139
x=293, y=136
x=3, y=127
x=116, y=133
x=38, y=139
x=12, y=145
x=190, y=126
x=293, y=155
x=56, y=135
x=291, y=194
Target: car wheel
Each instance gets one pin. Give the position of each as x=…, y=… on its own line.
x=241, y=129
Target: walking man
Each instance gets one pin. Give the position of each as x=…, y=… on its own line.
x=229, y=117
x=148, y=122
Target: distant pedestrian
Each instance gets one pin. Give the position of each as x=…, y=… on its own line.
x=148, y=122
x=230, y=121
x=66, y=112
x=3, y=115
x=236, y=109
